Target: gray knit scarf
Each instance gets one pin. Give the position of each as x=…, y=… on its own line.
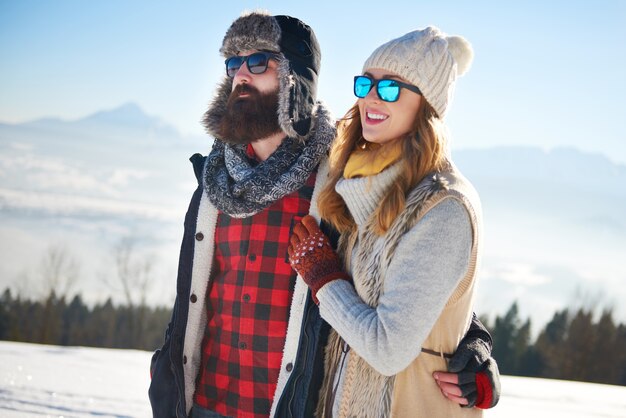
x=241, y=187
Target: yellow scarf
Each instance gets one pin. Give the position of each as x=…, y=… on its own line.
x=372, y=159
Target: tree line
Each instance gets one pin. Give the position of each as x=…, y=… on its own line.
x=571, y=346
x=73, y=323
x=54, y=316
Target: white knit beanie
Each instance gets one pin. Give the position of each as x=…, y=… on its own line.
x=428, y=59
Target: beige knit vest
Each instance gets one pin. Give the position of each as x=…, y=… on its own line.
x=413, y=392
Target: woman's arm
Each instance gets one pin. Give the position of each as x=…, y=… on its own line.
x=429, y=262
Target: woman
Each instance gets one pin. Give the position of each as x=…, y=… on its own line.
x=399, y=295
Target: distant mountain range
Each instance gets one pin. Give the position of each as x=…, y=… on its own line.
x=126, y=119
x=554, y=219
x=562, y=183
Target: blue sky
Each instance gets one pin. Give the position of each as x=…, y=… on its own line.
x=545, y=74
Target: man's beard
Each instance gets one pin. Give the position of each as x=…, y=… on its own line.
x=249, y=118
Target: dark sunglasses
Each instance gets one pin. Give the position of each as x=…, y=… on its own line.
x=257, y=63
x=386, y=88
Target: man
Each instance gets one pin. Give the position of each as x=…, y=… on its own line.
x=245, y=338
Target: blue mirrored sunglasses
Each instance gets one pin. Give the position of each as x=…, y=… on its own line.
x=257, y=63
x=387, y=89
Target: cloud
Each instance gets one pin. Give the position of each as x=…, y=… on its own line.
x=50, y=174
x=73, y=205
x=123, y=176
x=517, y=274
x=56, y=175
x=21, y=146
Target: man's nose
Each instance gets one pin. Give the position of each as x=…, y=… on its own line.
x=243, y=75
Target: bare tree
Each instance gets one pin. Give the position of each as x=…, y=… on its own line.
x=134, y=274
x=23, y=284
x=133, y=271
x=59, y=271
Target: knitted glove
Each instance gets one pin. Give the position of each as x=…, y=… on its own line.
x=312, y=256
x=479, y=379
x=474, y=349
x=481, y=388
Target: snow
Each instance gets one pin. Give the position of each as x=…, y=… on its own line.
x=52, y=381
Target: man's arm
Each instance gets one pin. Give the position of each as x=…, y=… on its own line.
x=473, y=379
x=162, y=392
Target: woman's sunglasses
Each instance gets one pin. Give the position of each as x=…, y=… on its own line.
x=257, y=63
x=386, y=88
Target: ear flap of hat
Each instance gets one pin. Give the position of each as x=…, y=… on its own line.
x=212, y=118
x=298, y=76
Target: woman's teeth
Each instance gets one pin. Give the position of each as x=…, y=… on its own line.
x=376, y=116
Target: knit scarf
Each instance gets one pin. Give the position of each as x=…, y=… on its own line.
x=372, y=159
x=241, y=187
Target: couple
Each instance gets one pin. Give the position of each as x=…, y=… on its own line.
x=327, y=272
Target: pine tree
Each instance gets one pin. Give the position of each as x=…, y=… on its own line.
x=521, y=342
x=578, y=349
x=504, y=340
x=74, y=322
x=550, y=344
x=621, y=343
x=6, y=303
x=609, y=357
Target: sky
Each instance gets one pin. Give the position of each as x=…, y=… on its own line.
x=547, y=74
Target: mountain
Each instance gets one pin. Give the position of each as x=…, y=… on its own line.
x=127, y=115
x=125, y=120
x=555, y=233
x=562, y=183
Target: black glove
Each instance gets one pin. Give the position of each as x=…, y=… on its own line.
x=481, y=388
x=479, y=378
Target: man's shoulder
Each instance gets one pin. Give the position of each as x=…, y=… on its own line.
x=197, y=160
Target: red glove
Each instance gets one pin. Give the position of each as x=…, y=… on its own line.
x=312, y=256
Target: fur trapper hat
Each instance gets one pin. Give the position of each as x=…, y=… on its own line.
x=298, y=69
x=428, y=59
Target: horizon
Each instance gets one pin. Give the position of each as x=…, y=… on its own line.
x=203, y=135
x=544, y=74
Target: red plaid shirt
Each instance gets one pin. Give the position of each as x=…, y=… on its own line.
x=248, y=308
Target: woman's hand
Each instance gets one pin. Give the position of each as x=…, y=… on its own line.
x=312, y=256
x=480, y=388
x=449, y=385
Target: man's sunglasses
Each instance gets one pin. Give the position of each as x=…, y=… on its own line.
x=257, y=63
x=386, y=88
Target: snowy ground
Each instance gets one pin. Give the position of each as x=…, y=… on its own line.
x=52, y=381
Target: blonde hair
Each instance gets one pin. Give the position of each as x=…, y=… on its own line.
x=423, y=151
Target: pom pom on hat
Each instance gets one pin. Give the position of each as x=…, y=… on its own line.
x=428, y=59
x=462, y=52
